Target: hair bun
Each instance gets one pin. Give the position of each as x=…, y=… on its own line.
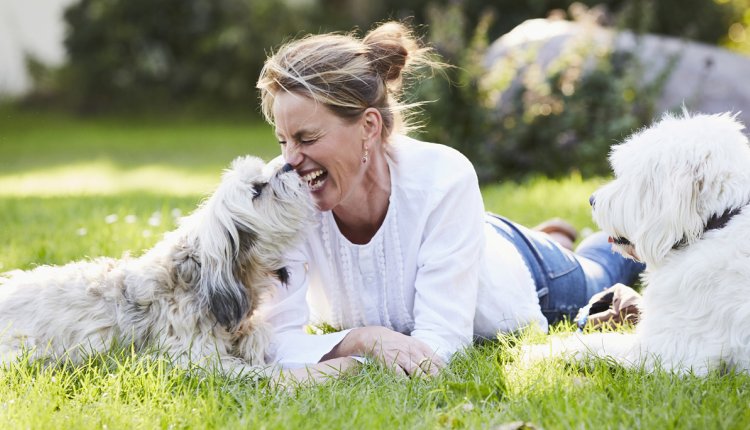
x=389, y=46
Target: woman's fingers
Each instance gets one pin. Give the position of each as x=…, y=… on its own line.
x=402, y=353
x=430, y=366
x=417, y=368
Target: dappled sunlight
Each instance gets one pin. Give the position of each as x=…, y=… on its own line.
x=104, y=177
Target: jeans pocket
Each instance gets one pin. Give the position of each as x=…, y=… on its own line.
x=555, y=261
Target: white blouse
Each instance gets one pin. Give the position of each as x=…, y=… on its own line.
x=418, y=275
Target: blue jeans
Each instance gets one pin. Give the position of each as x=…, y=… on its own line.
x=566, y=280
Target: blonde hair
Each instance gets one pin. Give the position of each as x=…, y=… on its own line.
x=348, y=75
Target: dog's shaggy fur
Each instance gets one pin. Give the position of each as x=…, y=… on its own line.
x=680, y=198
x=192, y=296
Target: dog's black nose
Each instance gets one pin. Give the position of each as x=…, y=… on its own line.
x=286, y=168
x=591, y=200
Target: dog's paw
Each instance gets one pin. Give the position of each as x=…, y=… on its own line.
x=577, y=347
x=555, y=347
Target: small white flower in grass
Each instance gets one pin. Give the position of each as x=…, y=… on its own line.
x=130, y=219
x=147, y=233
x=176, y=213
x=82, y=231
x=53, y=379
x=155, y=219
x=111, y=218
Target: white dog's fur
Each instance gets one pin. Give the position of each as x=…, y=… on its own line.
x=670, y=180
x=192, y=296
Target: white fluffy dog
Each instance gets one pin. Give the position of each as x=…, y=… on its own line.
x=679, y=203
x=192, y=296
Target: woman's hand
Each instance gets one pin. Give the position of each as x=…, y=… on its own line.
x=611, y=308
x=404, y=354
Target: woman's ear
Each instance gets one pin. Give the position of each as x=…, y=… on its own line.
x=372, y=123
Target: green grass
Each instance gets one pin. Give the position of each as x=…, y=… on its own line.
x=51, y=212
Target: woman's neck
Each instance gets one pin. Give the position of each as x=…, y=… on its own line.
x=361, y=217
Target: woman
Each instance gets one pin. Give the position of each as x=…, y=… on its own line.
x=401, y=254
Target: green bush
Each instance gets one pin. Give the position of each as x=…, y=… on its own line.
x=143, y=53
x=172, y=54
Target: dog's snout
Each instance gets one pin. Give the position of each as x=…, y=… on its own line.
x=592, y=200
x=286, y=168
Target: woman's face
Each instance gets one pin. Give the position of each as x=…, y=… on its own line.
x=324, y=149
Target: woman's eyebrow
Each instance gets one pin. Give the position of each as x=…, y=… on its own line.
x=299, y=134
x=306, y=133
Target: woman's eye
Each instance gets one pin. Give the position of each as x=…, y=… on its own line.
x=308, y=141
x=282, y=142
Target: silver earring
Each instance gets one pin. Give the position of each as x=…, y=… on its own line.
x=365, y=156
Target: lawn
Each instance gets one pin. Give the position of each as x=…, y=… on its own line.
x=73, y=188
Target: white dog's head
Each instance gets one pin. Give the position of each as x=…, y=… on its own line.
x=237, y=237
x=672, y=180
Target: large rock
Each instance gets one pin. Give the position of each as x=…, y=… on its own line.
x=705, y=78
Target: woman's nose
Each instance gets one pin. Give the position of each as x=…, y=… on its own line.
x=292, y=155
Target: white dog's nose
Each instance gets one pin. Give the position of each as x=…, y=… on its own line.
x=286, y=168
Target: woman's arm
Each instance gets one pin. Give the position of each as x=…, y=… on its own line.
x=449, y=260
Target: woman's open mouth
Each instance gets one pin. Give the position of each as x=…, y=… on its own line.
x=315, y=179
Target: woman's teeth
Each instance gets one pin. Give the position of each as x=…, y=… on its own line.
x=313, y=180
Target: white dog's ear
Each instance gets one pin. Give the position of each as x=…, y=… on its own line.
x=224, y=233
x=221, y=241
x=671, y=210
x=220, y=280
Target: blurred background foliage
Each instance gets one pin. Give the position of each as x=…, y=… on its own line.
x=156, y=56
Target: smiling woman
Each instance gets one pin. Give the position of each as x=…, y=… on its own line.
x=401, y=254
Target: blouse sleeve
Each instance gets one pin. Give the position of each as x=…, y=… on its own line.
x=448, y=262
x=287, y=312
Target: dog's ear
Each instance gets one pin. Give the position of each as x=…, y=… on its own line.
x=224, y=236
x=220, y=282
x=671, y=200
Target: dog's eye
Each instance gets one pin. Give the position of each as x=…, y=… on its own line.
x=621, y=241
x=258, y=188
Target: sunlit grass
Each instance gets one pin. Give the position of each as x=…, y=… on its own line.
x=539, y=199
x=34, y=142
x=484, y=387
x=55, y=230
x=104, y=177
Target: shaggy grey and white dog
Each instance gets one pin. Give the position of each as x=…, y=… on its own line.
x=192, y=296
x=679, y=203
